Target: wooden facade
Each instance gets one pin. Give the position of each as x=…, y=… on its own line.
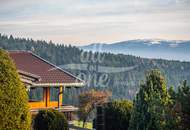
x=46, y=103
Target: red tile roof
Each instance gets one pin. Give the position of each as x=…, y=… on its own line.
x=49, y=73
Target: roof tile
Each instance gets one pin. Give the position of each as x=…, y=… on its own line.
x=49, y=73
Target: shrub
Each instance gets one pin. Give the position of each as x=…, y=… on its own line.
x=50, y=120
x=14, y=110
x=117, y=115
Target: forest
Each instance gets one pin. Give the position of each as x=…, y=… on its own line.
x=120, y=74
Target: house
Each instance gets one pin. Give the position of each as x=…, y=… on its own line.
x=44, y=81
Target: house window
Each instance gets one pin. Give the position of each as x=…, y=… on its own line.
x=35, y=94
x=54, y=94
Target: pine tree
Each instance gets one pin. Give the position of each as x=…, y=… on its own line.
x=150, y=104
x=183, y=99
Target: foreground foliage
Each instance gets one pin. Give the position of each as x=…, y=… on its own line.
x=14, y=110
x=117, y=115
x=181, y=106
x=50, y=120
x=155, y=107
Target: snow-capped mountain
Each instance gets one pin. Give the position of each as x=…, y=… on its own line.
x=164, y=49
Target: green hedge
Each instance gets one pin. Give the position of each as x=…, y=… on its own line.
x=117, y=115
x=14, y=110
x=50, y=120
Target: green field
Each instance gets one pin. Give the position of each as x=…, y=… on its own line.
x=80, y=124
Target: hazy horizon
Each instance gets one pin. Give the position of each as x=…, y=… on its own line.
x=84, y=22
x=86, y=44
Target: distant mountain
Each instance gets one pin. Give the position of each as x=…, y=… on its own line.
x=164, y=49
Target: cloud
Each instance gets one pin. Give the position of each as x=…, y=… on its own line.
x=86, y=21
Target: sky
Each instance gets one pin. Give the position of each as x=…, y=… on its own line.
x=81, y=22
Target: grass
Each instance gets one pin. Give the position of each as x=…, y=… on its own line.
x=80, y=124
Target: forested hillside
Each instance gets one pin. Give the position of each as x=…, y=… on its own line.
x=119, y=73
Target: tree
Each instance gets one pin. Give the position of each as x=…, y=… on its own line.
x=183, y=103
x=14, y=110
x=88, y=101
x=50, y=120
x=117, y=115
x=172, y=116
x=150, y=104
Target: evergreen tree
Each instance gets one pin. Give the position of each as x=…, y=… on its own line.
x=150, y=104
x=172, y=116
x=14, y=110
x=183, y=101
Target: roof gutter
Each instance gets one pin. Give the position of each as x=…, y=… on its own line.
x=58, y=84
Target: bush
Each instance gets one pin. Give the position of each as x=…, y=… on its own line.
x=14, y=110
x=117, y=115
x=50, y=120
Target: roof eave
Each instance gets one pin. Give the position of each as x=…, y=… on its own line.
x=81, y=84
x=29, y=75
